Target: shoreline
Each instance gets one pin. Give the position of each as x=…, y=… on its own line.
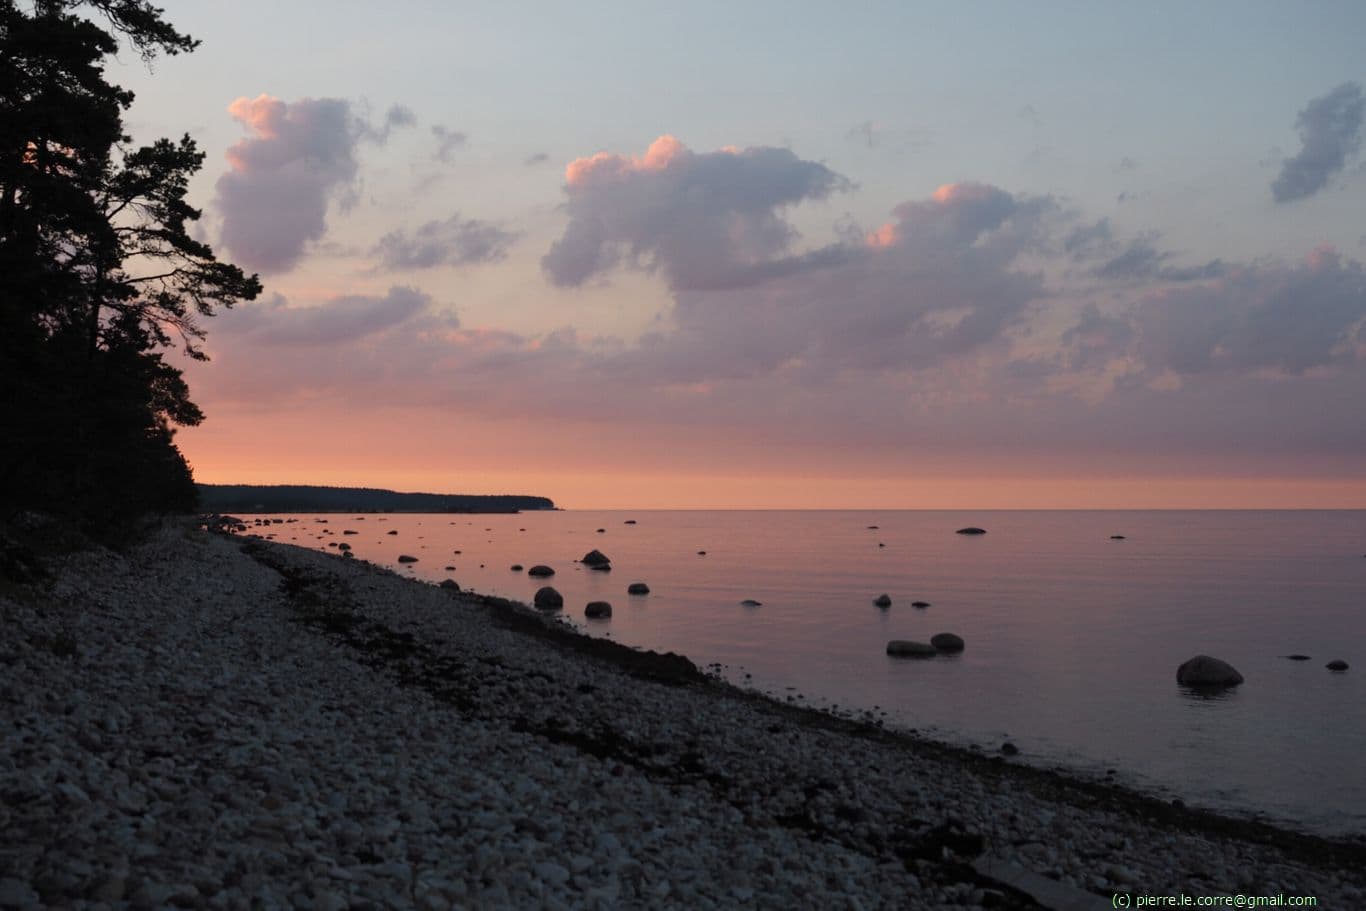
x=674, y=668
x=662, y=753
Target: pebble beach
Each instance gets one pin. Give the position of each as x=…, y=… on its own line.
x=208, y=720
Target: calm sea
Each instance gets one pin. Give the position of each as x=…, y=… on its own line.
x=1073, y=638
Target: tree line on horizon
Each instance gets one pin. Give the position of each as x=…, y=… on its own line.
x=247, y=498
x=99, y=274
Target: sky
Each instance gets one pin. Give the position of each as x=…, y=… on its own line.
x=782, y=255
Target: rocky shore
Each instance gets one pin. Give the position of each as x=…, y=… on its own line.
x=209, y=721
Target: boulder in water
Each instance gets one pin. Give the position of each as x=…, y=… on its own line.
x=540, y=570
x=947, y=642
x=406, y=558
x=597, y=610
x=450, y=585
x=883, y=600
x=637, y=588
x=516, y=567
x=595, y=558
x=1204, y=671
x=920, y=604
x=548, y=599
x=904, y=648
x=750, y=602
x=1337, y=664
x=971, y=530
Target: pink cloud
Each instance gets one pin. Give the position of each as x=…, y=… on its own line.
x=703, y=220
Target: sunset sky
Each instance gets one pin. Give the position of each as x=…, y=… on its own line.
x=783, y=254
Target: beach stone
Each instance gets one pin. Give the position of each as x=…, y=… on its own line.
x=920, y=604
x=971, y=530
x=750, y=602
x=1337, y=664
x=701, y=553
x=1117, y=537
x=516, y=567
x=597, y=610
x=1296, y=657
x=406, y=558
x=595, y=558
x=540, y=569
x=394, y=532
x=637, y=588
x=1009, y=749
x=629, y=522
x=15, y=893
x=450, y=569
x=905, y=648
x=450, y=585
x=883, y=600
x=947, y=642
x=1202, y=670
x=548, y=599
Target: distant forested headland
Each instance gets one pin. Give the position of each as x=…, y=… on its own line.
x=297, y=498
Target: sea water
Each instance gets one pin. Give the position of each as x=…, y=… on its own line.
x=1073, y=637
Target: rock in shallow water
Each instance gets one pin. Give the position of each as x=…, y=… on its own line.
x=595, y=558
x=597, y=610
x=947, y=642
x=905, y=648
x=637, y=588
x=972, y=530
x=1337, y=664
x=1202, y=670
x=540, y=569
x=883, y=600
x=405, y=558
x=548, y=599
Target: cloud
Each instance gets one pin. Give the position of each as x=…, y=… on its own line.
x=396, y=118
x=274, y=198
x=866, y=132
x=1265, y=319
x=447, y=141
x=1141, y=259
x=1330, y=133
x=703, y=220
x=453, y=242
x=1134, y=260
x=341, y=320
x=538, y=158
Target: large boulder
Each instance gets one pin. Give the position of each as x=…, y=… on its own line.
x=540, y=570
x=548, y=599
x=1204, y=671
x=904, y=648
x=597, y=610
x=637, y=588
x=883, y=600
x=1337, y=664
x=450, y=585
x=947, y=642
x=595, y=558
